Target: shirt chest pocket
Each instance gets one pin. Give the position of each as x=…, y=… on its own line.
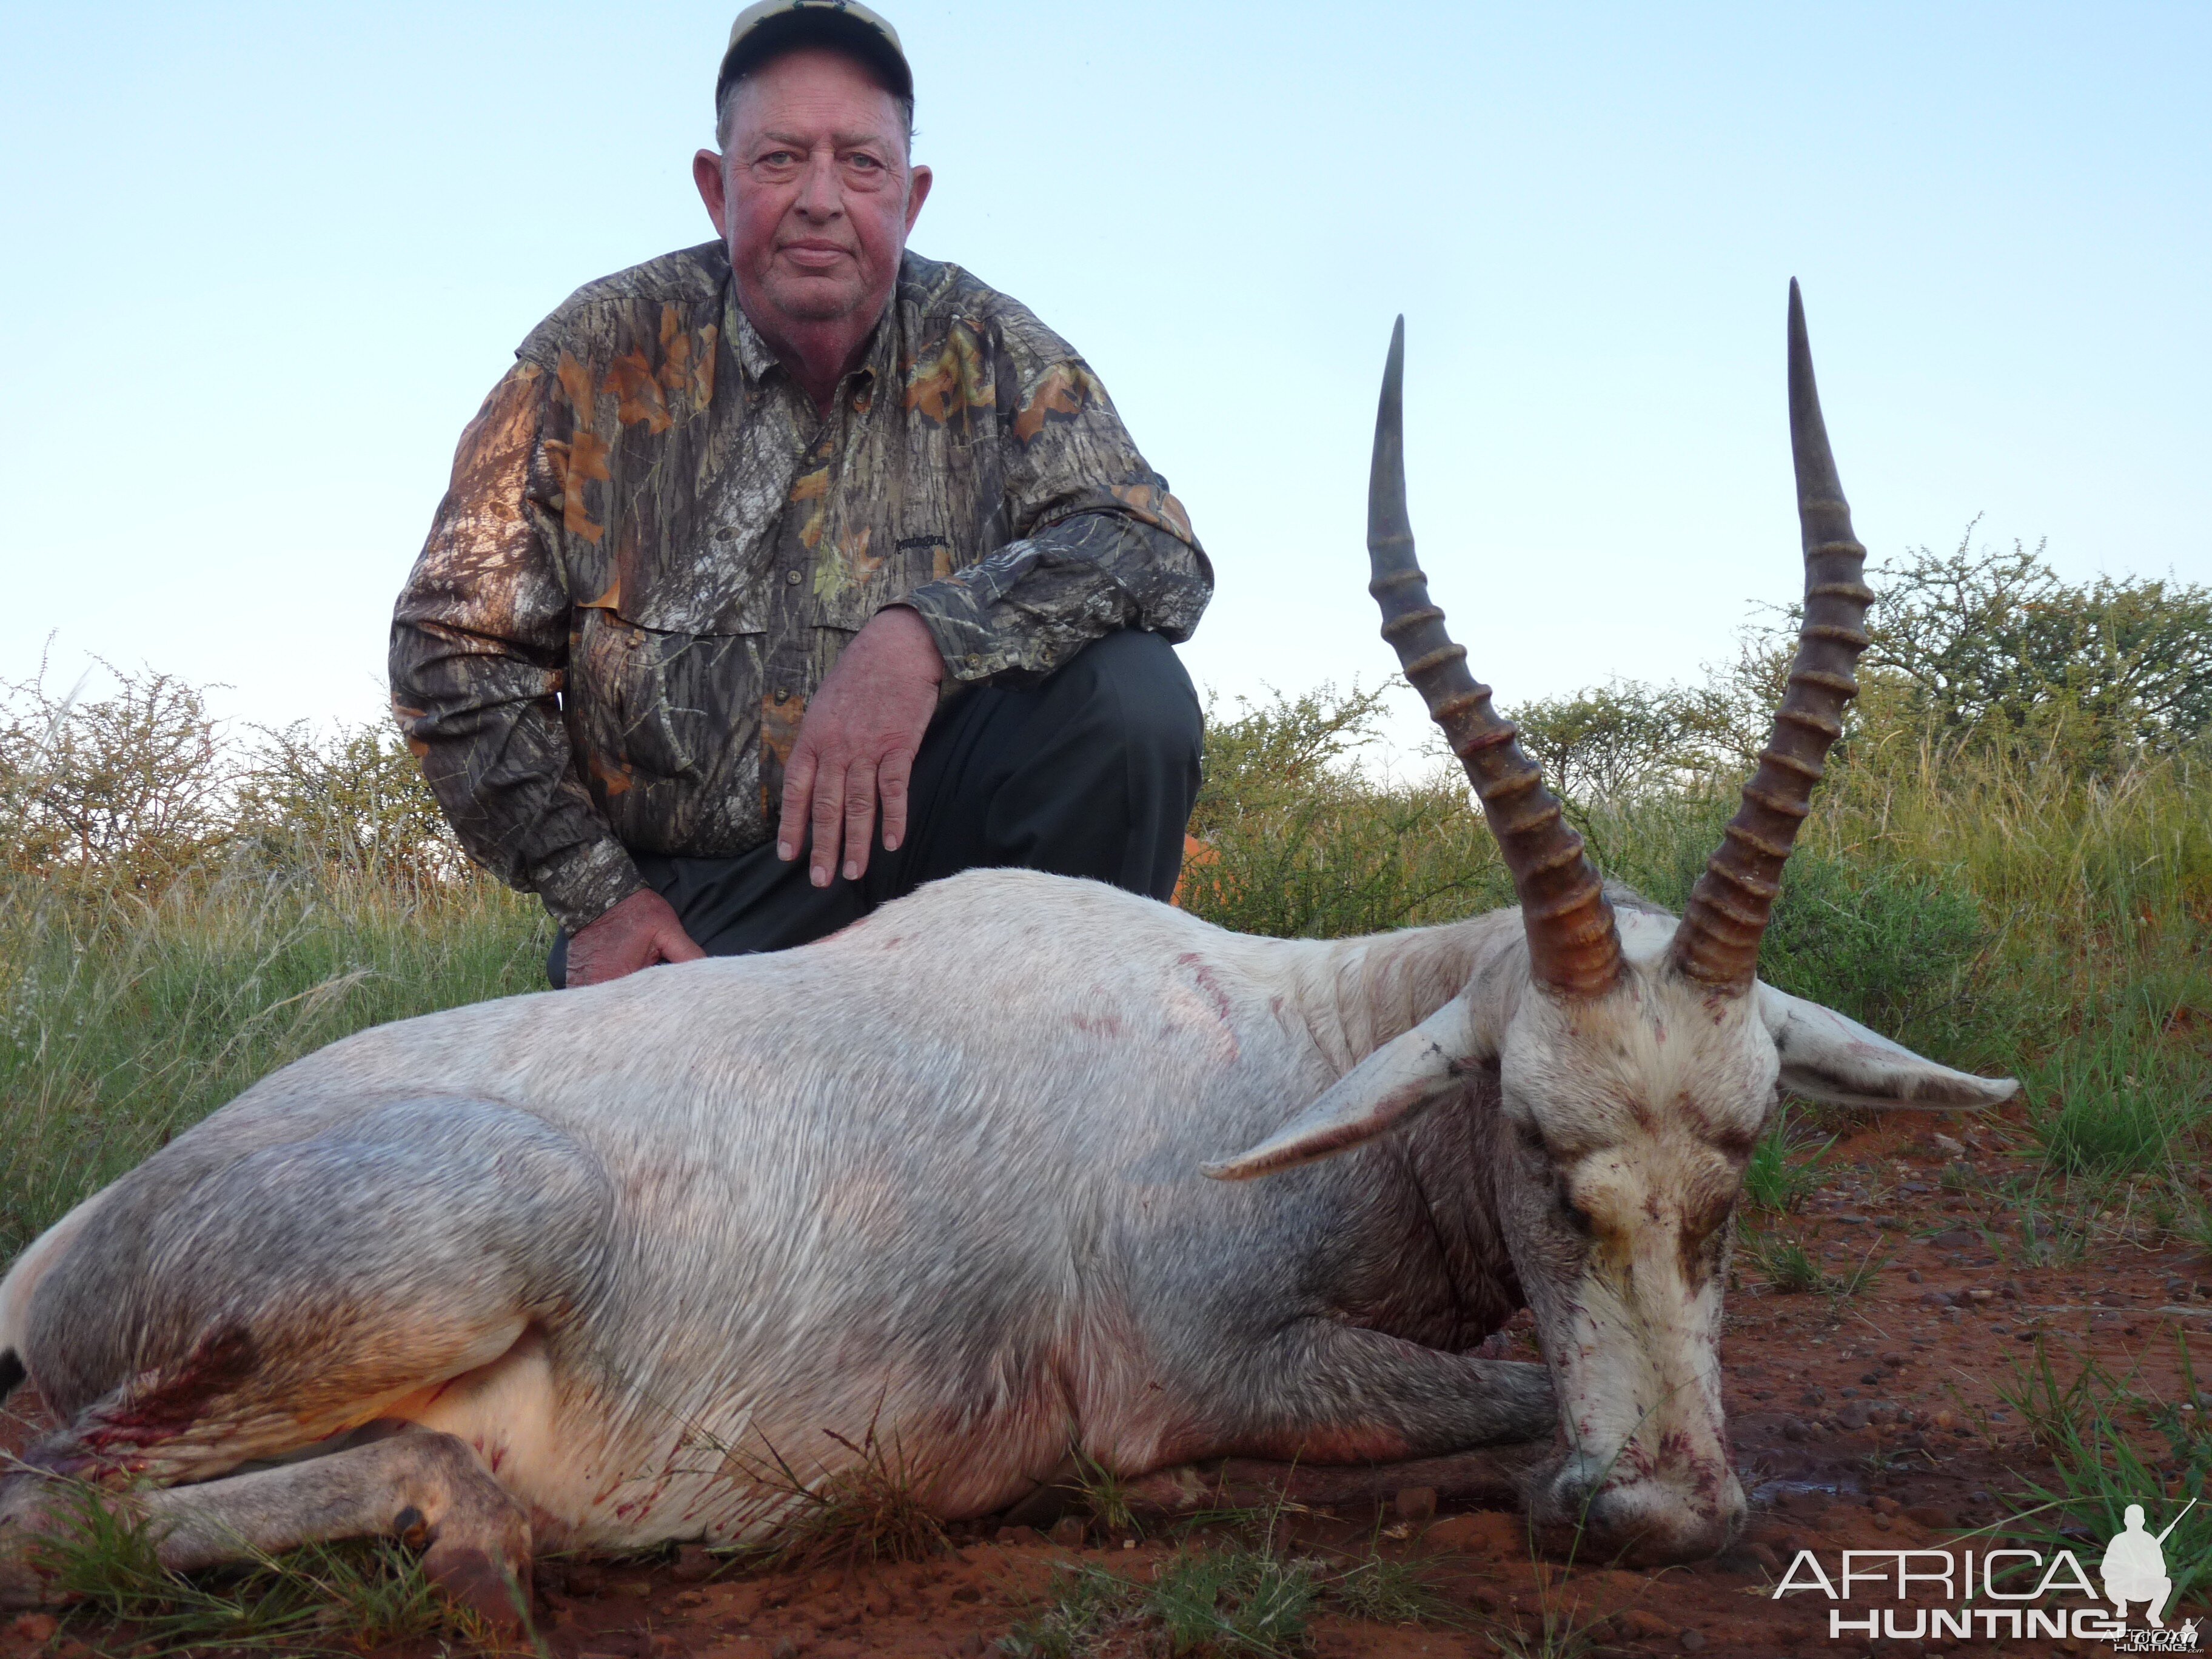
x=904, y=513
x=846, y=593
x=654, y=704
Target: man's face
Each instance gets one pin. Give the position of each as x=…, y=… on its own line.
x=813, y=195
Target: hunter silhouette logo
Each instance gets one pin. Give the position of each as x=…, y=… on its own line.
x=2134, y=1566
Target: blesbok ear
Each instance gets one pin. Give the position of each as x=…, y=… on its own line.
x=1838, y=1061
x=1384, y=1090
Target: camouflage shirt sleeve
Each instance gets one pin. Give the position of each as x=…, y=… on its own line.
x=479, y=653
x=1099, y=543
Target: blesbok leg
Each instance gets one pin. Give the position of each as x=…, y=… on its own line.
x=1322, y=1392
x=209, y=1317
x=414, y=1484
x=213, y=1315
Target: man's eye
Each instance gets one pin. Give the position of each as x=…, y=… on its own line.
x=865, y=163
x=777, y=158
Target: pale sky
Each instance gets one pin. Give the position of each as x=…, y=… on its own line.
x=262, y=262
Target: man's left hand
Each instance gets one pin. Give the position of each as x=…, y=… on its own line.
x=858, y=742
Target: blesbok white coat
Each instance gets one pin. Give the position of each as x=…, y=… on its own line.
x=1018, y=1167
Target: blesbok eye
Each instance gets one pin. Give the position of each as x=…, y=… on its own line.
x=1736, y=1143
x=1574, y=1214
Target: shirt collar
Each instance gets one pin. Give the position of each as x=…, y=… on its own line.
x=758, y=357
x=881, y=363
x=752, y=351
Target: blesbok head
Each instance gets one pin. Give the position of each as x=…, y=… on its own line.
x=1626, y=1063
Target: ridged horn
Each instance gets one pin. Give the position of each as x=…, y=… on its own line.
x=1574, y=948
x=1717, y=944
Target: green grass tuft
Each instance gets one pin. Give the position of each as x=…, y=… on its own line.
x=319, y=1599
x=1781, y=1174
x=1841, y=1287
x=1384, y=1591
x=1233, y=1601
x=1086, y=1605
x=1107, y=1496
x=1783, y=1264
x=1211, y=1603
x=2122, y=1101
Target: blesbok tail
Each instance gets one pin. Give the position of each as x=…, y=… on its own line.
x=20, y=1279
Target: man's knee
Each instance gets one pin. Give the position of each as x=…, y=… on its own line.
x=1144, y=691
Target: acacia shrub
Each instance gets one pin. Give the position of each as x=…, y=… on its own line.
x=1994, y=647
x=353, y=797
x=140, y=788
x=123, y=792
x=1306, y=840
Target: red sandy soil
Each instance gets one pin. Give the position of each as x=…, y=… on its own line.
x=1871, y=1424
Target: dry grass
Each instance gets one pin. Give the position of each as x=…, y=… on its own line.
x=124, y=1019
x=869, y=1509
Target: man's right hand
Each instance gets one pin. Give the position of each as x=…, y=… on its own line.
x=642, y=930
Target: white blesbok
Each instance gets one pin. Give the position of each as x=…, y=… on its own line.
x=573, y=1268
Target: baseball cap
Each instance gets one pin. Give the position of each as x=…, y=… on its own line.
x=768, y=27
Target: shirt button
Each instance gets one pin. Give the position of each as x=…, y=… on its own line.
x=791, y=576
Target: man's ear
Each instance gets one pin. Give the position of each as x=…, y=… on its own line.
x=1828, y=1058
x=918, y=181
x=1384, y=1090
x=713, y=190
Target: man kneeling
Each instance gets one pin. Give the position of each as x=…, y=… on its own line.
x=784, y=574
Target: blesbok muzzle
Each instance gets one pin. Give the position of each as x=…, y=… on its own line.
x=1643, y=1475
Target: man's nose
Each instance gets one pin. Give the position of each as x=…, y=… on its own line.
x=821, y=195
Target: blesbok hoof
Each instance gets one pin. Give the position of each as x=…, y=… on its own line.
x=23, y=1522
x=495, y=1590
x=480, y=1546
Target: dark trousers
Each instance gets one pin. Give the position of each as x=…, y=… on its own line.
x=1090, y=772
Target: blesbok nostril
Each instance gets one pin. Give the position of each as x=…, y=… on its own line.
x=1572, y=1494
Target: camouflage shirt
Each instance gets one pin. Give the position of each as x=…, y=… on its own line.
x=655, y=546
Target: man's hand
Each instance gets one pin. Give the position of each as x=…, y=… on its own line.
x=857, y=741
x=642, y=930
